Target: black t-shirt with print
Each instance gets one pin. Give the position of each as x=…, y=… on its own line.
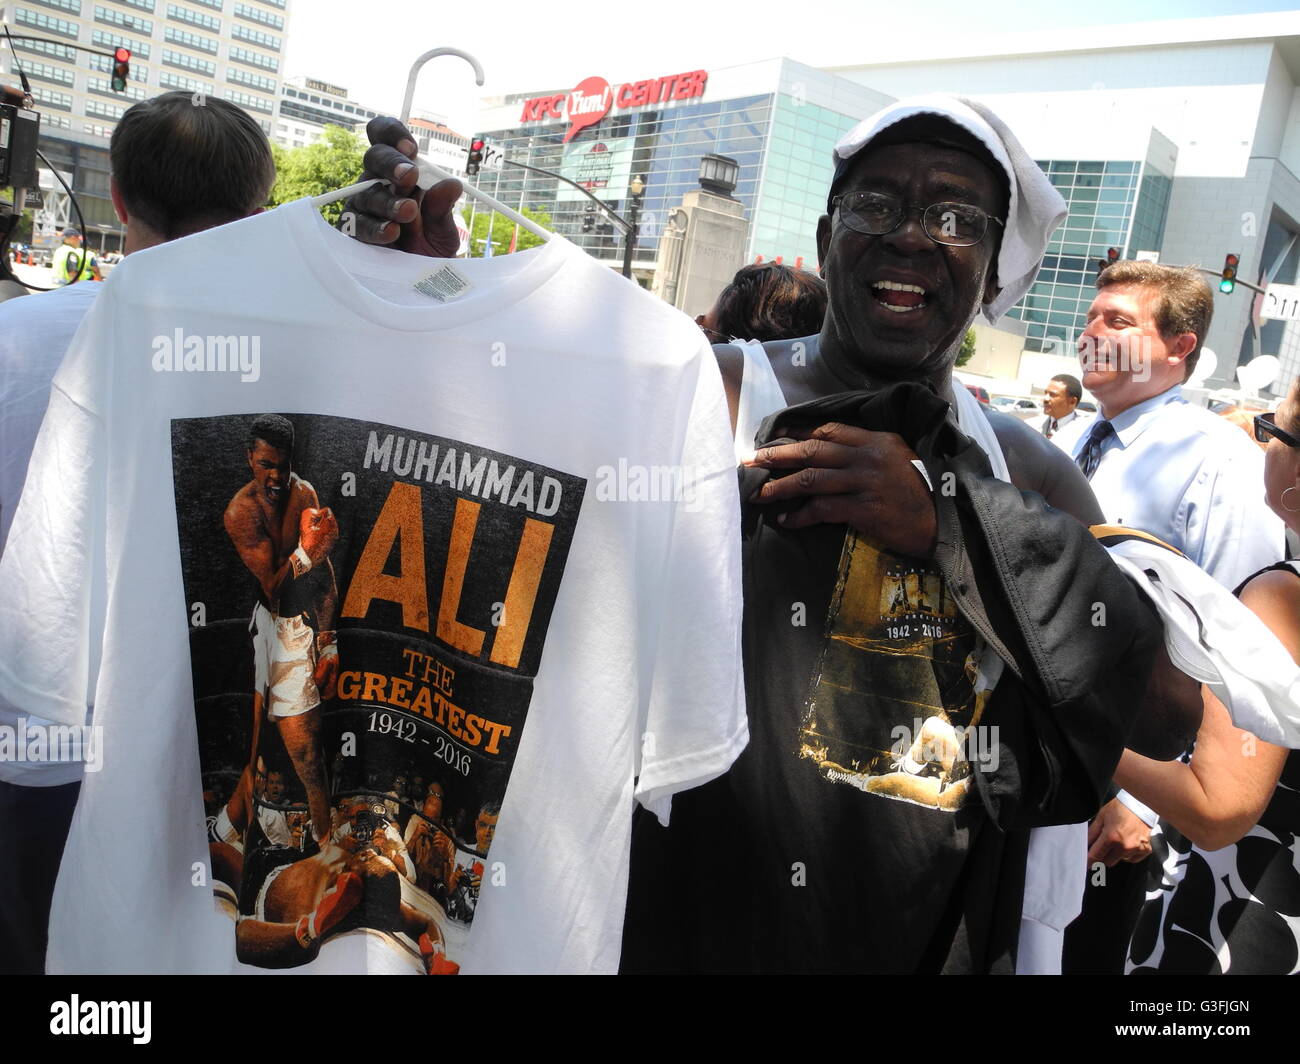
x=846, y=837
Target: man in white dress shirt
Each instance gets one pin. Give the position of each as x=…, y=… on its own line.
x=1158, y=463
x=1060, y=404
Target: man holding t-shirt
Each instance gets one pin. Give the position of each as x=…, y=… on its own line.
x=816, y=853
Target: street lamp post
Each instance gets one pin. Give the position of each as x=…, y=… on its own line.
x=636, y=189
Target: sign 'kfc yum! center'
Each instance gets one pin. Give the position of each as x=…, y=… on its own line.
x=591, y=99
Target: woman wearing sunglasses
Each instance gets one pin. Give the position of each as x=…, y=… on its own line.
x=1230, y=862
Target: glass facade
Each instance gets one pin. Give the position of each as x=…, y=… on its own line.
x=1113, y=204
x=782, y=143
x=1100, y=196
x=1152, y=209
x=796, y=179
x=663, y=146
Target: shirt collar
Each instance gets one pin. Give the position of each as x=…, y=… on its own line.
x=1135, y=420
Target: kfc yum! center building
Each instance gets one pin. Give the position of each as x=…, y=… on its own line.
x=777, y=118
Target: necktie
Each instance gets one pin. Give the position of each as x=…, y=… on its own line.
x=1090, y=457
x=1049, y=426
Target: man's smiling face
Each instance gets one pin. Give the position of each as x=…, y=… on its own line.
x=899, y=302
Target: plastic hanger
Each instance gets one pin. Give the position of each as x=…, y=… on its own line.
x=429, y=175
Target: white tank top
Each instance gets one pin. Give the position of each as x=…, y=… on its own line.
x=760, y=395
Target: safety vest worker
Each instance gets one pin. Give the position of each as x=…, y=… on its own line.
x=71, y=260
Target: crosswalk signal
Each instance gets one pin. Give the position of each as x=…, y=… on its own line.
x=1229, y=279
x=1112, y=257
x=121, y=68
x=475, y=157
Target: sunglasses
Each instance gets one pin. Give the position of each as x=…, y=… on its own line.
x=1266, y=426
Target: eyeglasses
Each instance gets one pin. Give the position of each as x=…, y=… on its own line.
x=877, y=213
x=1266, y=426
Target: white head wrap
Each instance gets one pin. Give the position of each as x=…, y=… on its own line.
x=1034, y=210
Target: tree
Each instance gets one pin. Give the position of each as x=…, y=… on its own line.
x=331, y=163
x=502, y=231
x=22, y=230
x=967, y=348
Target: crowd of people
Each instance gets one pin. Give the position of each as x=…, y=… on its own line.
x=952, y=766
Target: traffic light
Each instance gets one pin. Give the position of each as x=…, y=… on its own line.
x=589, y=219
x=1229, y=280
x=121, y=68
x=1112, y=257
x=475, y=158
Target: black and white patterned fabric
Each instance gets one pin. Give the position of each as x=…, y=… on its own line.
x=1230, y=911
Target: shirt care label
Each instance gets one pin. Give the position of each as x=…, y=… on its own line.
x=444, y=284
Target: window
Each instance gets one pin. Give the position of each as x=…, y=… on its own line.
x=255, y=103
x=73, y=6
x=95, y=109
x=194, y=18
x=253, y=81
x=246, y=33
x=254, y=14
x=189, y=62
x=48, y=23
x=61, y=100
x=176, y=81
x=46, y=72
x=56, y=51
x=243, y=55
x=190, y=40
x=122, y=19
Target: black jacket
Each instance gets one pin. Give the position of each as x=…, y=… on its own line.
x=773, y=868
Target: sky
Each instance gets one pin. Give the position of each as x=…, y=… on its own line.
x=551, y=44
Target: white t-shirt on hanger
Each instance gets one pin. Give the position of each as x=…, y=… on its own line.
x=529, y=587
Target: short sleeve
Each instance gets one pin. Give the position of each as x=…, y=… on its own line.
x=694, y=723
x=52, y=573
